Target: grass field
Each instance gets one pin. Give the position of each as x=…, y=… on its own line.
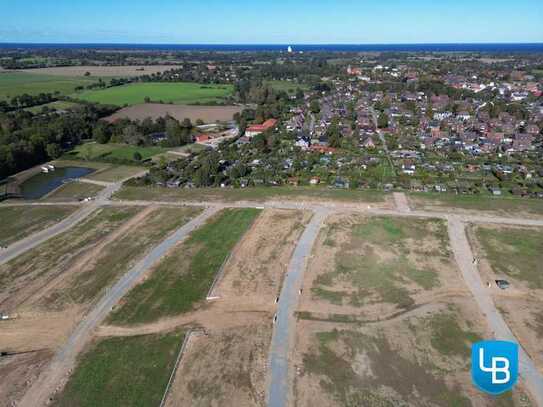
x=21, y=221
x=177, y=93
x=73, y=191
x=286, y=86
x=185, y=275
x=17, y=83
x=517, y=253
x=93, y=151
x=251, y=194
x=129, y=371
x=115, y=173
x=504, y=205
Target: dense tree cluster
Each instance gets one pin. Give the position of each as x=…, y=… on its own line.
x=28, y=139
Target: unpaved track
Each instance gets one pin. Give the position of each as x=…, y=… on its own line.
x=285, y=326
x=533, y=379
x=401, y=202
x=64, y=360
x=36, y=239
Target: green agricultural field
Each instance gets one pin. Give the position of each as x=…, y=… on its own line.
x=17, y=83
x=515, y=252
x=73, y=191
x=251, y=194
x=186, y=274
x=96, y=151
x=126, y=371
x=177, y=93
x=21, y=221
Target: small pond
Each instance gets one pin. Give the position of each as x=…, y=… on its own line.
x=43, y=183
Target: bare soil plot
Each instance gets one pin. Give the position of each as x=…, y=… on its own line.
x=514, y=254
x=19, y=222
x=209, y=114
x=471, y=204
x=125, y=371
x=18, y=372
x=115, y=173
x=28, y=274
x=385, y=319
x=300, y=195
x=256, y=268
x=101, y=71
x=99, y=268
x=224, y=368
x=73, y=191
x=411, y=361
x=378, y=266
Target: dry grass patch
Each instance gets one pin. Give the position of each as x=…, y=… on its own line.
x=225, y=368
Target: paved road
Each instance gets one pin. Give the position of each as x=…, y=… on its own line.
x=64, y=360
x=533, y=379
x=285, y=327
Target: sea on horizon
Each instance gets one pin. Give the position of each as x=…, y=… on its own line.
x=449, y=47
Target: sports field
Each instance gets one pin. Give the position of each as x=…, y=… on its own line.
x=177, y=93
x=17, y=83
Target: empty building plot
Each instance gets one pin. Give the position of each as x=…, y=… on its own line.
x=385, y=319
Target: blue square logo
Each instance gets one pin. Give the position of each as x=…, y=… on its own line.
x=494, y=366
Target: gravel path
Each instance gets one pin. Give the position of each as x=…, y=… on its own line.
x=464, y=257
x=285, y=326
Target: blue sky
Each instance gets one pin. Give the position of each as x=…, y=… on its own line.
x=274, y=21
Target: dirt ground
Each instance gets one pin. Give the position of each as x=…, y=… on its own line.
x=124, y=71
x=209, y=114
x=18, y=372
x=368, y=339
x=520, y=305
x=256, y=268
x=224, y=368
x=227, y=364
x=49, y=264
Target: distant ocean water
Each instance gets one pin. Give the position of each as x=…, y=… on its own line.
x=486, y=47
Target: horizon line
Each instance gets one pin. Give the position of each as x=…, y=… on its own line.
x=272, y=43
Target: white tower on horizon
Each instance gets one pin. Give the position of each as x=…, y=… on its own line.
x=289, y=49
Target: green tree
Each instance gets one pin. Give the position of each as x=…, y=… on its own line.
x=382, y=121
x=314, y=106
x=137, y=156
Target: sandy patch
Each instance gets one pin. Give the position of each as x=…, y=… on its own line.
x=209, y=114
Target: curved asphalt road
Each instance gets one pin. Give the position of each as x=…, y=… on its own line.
x=64, y=360
x=285, y=326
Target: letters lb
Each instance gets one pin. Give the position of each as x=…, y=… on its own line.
x=494, y=366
